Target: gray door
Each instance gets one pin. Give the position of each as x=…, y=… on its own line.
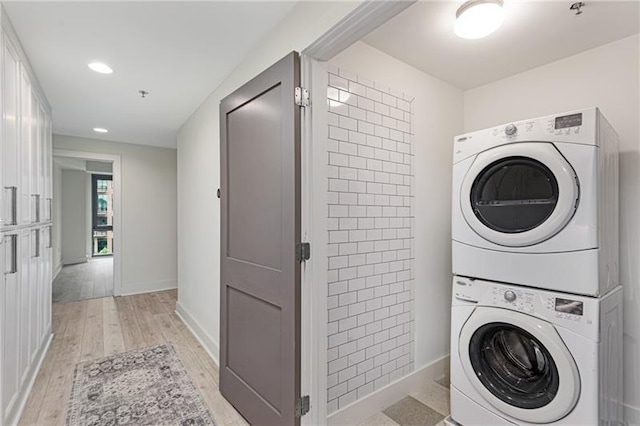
x=260, y=227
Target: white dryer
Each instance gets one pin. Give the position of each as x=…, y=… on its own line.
x=535, y=203
x=524, y=356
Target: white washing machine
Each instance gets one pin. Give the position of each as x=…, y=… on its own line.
x=525, y=356
x=535, y=203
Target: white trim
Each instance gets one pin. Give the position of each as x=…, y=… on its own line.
x=631, y=415
x=366, y=407
x=207, y=342
x=314, y=230
x=117, y=208
x=73, y=261
x=148, y=287
x=21, y=401
x=364, y=19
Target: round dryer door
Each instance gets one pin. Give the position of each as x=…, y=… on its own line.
x=519, y=364
x=519, y=194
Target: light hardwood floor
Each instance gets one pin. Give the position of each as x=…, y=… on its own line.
x=95, y=328
x=84, y=280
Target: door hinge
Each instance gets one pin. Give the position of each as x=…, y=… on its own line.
x=302, y=96
x=302, y=406
x=303, y=252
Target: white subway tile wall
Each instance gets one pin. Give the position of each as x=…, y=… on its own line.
x=371, y=231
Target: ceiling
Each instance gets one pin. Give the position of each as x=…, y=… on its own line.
x=178, y=51
x=533, y=33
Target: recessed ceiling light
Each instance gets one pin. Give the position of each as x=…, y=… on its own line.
x=478, y=18
x=100, y=130
x=101, y=68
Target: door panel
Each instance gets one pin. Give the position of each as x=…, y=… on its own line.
x=11, y=321
x=254, y=183
x=25, y=145
x=10, y=146
x=26, y=311
x=260, y=227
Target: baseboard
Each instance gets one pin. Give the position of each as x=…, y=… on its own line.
x=130, y=289
x=631, y=415
x=75, y=260
x=205, y=340
x=359, y=411
x=13, y=416
x=57, y=270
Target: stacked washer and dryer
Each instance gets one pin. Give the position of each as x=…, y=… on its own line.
x=536, y=329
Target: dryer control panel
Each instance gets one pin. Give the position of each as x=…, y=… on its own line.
x=577, y=313
x=573, y=127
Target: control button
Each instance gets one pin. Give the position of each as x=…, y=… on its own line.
x=495, y=132
x=529, y=126
x=576, y=130
x=511, y=130
x=509, y=296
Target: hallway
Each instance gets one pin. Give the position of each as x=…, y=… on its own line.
x=84, y=280
x=95, y=328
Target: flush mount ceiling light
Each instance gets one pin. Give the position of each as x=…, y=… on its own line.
x=100, y=130
x=101, y=68
x=478, y=18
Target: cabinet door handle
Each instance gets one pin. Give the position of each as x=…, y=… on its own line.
x=49, y=209
x=37, y=209
x=50, y=244
x=14, y=255
x=36, y=242
x=14, y=204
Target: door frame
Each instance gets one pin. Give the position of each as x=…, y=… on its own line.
x=368, y=16
x=117, y=206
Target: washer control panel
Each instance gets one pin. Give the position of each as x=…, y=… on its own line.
x=511, y=130
x=516, y=298
x=578, y=313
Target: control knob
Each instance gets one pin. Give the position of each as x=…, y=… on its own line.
x=510, y=296
x=511, y=130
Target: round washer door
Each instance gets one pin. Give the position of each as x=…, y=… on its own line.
x=519, y=364
x=519, y=194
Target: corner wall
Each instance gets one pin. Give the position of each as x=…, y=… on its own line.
x=436, y=118
x=149, y=217
x=607, y=77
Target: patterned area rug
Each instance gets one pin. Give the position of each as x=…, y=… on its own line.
x=146, y=386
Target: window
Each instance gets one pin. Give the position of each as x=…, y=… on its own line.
x=102, y=193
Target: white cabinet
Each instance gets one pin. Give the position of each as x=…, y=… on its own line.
x=10, y=320
x=10, y=142
x=26, y=124
x=26, y=308
x=25, y=228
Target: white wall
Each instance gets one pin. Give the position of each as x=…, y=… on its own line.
x=371, y=231
x=437, y=110
x=73, y=214
x=607, y=77
x=57, y=218
x=149, y=216
x=199, y=168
